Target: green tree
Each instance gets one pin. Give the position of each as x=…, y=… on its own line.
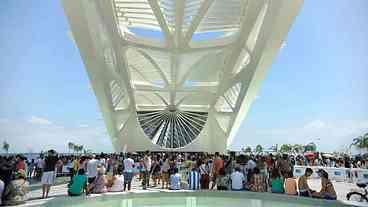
x=259, y=148
x=6, y=147
x=71, y=146
x=361, y=142
x=285, y=148
x=298, y=148
x=248, y=149
x=311, y=147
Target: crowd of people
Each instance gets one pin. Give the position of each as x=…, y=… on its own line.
x=99, y=173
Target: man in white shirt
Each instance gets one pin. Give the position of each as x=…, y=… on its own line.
x=128, y=171
x=92, y=169
x=237, y=180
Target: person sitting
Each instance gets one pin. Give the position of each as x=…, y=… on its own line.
x=257, y=181
x=304, y=189
x=237, y=180
x=290, y=185
x=175, y=180
x=194, y=179
x=78, y=184
x=327, y=189
x=222, y=180
x=118, y=182
x=16, y=190
x=99, y=183
x=277, y=184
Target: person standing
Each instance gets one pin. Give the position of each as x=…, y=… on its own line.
x=48, y=176
x=128, y=171
x=218, y=163
x=194, y=179
x=205, y=177
x=40, y=164
x=165, y=173
x=92, y=169
x=31, y=168
x=147, y=168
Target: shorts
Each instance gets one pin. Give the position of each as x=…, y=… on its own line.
x=165, y=176
x=48, y=178
x=128, y=176
x=304, y=193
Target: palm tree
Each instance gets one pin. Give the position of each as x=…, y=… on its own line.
x=6, y=147
x=259, y=148
x=361, y=142
x=71, y=146
x=80, y=147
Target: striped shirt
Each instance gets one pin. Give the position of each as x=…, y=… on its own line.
x=194, y=180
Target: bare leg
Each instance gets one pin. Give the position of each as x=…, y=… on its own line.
x=47, y=190
x=43, y=190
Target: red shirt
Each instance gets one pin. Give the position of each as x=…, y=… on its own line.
x=21, y=165
x=218, y=163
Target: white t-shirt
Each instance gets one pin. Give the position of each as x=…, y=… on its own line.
x=92, y=168
x=237, y=179
x=128, y=165
x=251, y=164
x=40, y=163
x=118, y=184
x=148, y=163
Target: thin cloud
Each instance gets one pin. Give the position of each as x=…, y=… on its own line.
x=39, y=121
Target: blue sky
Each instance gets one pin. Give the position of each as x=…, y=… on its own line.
x=315, y=89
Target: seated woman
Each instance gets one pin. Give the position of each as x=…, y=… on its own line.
x=327, y=190
x=118, y=182
x=277, y=184
x=290, y=185
x=175, y=180
x=16, y=190
x=99, y=184
x=78, y=184
x=257, y=181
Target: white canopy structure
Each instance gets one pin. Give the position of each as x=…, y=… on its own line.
x=177, y=75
